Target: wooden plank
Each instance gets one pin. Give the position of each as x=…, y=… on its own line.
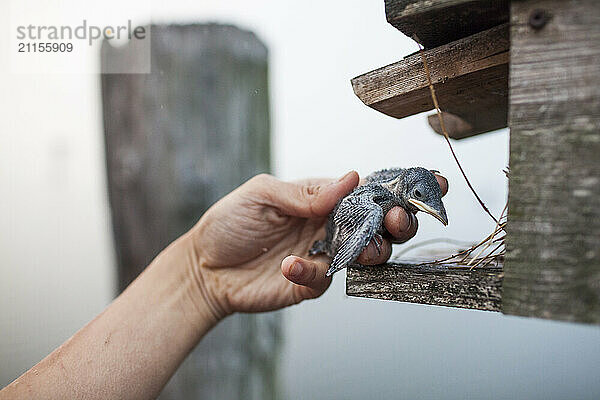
x=553, y=252
x=440, y=285
x=470, y=77
x=177, y=140
x=436, y=22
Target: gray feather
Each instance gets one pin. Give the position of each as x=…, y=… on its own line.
x=358, y=217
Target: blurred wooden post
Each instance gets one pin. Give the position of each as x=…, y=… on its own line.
x=177, y=140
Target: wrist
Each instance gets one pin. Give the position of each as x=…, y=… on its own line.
x=203, y=281
x=177, y=285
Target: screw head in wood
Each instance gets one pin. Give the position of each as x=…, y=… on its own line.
x=538, y=18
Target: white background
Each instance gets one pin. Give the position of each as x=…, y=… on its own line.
x=57, y=264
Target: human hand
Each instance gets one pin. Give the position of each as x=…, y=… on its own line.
x=239, y=242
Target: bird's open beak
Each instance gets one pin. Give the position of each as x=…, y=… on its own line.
x=441, y=216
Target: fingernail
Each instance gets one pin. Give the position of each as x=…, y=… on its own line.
x=345, y=176
x=296, y=269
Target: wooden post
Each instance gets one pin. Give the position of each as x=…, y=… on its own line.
x=553, y=252
x=177, y=140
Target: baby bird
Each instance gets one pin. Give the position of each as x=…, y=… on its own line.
x=358, y=217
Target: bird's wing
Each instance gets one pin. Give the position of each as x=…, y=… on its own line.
x=383, y=175
x=357, y=219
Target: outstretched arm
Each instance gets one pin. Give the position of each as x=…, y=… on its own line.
x=131, y=349
x=227, y=263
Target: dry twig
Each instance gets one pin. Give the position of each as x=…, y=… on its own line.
x=483, y=256
x=443, y=126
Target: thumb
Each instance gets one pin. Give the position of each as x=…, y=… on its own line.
x=308, y=200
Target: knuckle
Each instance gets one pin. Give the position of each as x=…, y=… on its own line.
x=264, y=185
x=310, y=194
x=296, y=295
x=311, y=190
x=261, y=179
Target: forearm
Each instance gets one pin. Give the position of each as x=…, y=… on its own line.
x=131, y=349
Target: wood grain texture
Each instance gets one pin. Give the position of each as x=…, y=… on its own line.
x=177, y=140
x=553, y=251
x=437, y=22
x=440, y=285
x=470, y=77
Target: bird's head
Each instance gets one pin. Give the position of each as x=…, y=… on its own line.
x=423, y=193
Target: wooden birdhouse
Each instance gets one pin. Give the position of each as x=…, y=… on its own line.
x=533, y=66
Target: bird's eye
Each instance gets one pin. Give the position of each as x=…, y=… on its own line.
x=418, y=194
